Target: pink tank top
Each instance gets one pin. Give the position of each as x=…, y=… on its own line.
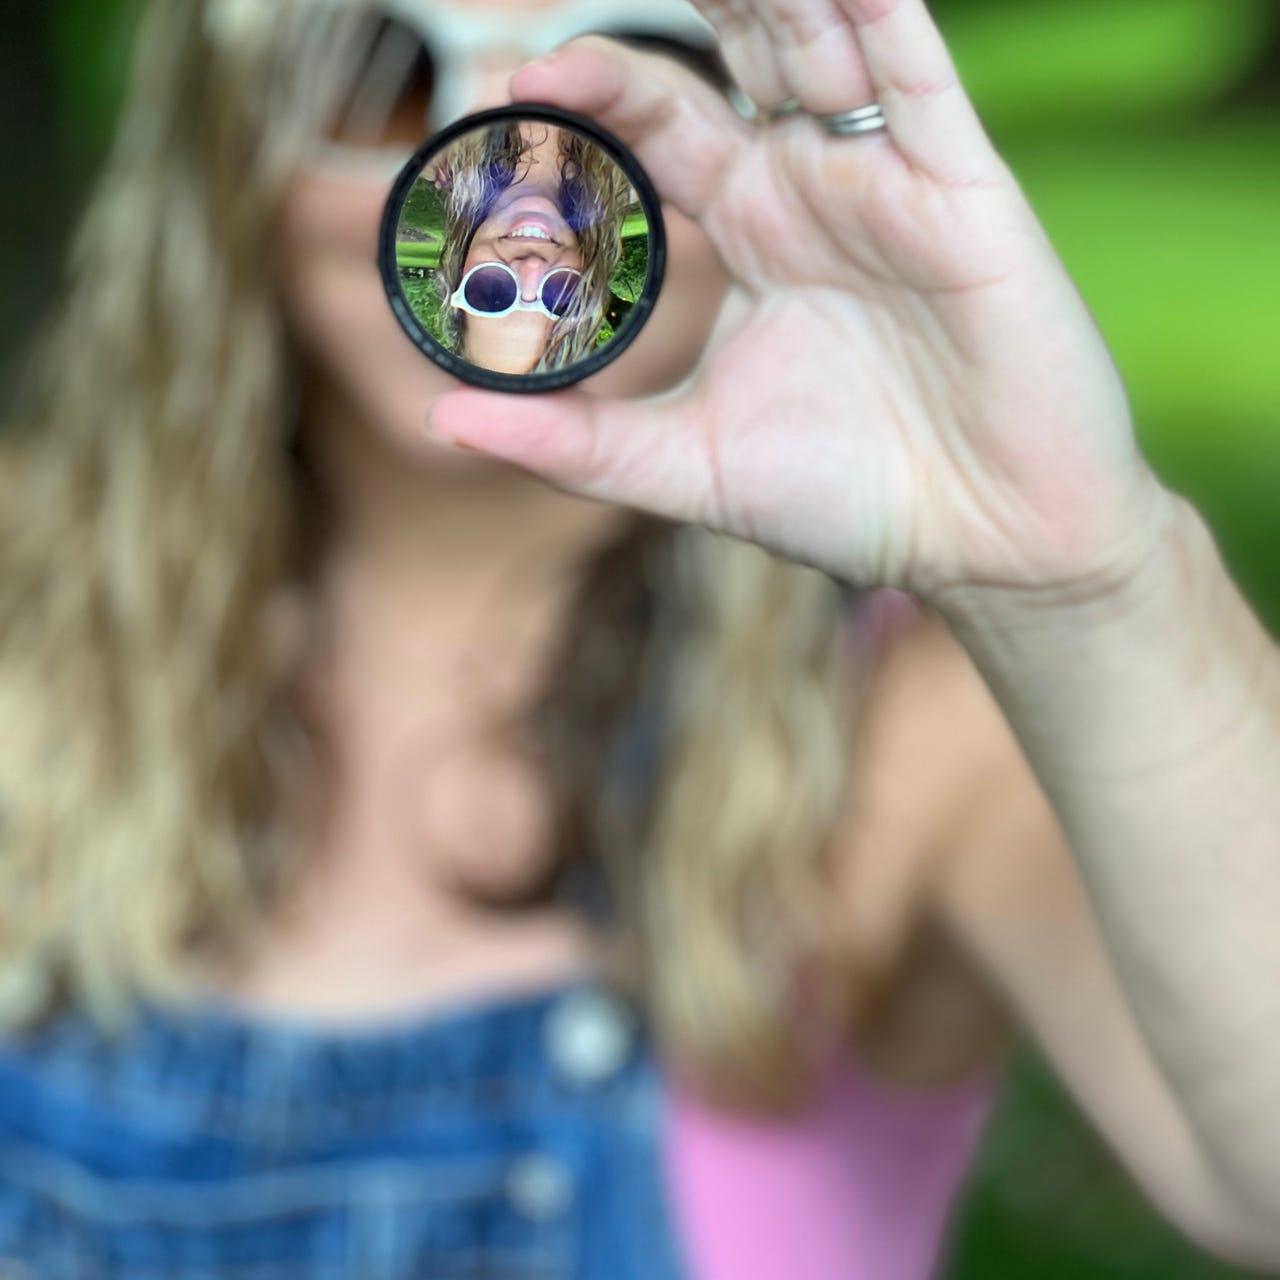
x=859, y=1187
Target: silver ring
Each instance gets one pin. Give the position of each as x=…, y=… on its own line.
x=849, y=124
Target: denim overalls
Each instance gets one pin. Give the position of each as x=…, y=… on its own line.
x=516, y=1139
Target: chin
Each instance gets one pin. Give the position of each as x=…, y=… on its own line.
x=363, y=369
x=396, y=413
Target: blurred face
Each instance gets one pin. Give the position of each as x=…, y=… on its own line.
x=526, y=230
x=335, y=305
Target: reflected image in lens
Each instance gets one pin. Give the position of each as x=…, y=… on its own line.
x=521, y=244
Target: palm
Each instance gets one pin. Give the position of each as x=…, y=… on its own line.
x=914, y=428
x=904, y=387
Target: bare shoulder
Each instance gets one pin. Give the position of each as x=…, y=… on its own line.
x=931, y=750
x=992, y=842
x=933, y=753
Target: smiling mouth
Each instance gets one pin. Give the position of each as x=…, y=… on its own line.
x=531, y=231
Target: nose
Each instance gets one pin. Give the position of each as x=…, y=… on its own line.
x=529, y=270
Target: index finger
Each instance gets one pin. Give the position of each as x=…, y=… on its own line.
x=684, y=133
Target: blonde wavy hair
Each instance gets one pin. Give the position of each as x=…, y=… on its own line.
x=594, y=193
x=151, y=507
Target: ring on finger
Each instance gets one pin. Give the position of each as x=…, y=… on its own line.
x=840, y=124
x=849, y=124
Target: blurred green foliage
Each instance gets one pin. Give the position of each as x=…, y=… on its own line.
x=1047, y=1202
x=1091, y=66
x=91, y=44
x=1158, y=180
x=1146, y=135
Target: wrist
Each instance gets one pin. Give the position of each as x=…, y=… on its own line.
x=1139, y=564
x=1155, y=673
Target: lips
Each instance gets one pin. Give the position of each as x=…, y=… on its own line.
x=526, y=229
x=533, y=228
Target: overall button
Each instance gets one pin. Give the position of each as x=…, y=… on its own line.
x=588, y=1036
x=539, y=1187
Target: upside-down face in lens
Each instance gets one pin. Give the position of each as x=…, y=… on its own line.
x=542, y=202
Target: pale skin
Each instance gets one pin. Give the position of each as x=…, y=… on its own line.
x=1077, y=746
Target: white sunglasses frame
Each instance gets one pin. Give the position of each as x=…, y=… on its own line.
x=459, y=302
x=459, y=37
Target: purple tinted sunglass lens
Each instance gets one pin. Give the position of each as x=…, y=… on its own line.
x=558, y=291
x=491, y=289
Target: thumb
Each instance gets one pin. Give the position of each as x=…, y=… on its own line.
x=635, y=453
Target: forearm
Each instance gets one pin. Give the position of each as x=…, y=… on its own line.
x=1152, y=720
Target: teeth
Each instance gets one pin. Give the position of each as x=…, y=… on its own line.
x=529, y=233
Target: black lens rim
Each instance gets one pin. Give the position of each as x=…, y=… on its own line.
x=639, y=312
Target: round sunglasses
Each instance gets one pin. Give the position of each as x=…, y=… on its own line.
x=492, y=289
x=396, y=70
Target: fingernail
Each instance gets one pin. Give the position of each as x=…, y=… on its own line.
x=524, y=66
x=447, y=443
x=542, y=60
x=450, y=442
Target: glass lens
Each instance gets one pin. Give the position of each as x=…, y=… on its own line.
x=491, y=289
x=558, y=288
x=512, y=203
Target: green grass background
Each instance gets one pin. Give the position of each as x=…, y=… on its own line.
x=1147, y=135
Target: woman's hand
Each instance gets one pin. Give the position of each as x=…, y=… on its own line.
x=904, y=387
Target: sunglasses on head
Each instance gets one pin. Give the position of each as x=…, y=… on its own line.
x=410, y=67
x=492, y=289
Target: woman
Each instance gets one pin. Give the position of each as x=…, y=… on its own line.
x=319, y=748
x=533, y=208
